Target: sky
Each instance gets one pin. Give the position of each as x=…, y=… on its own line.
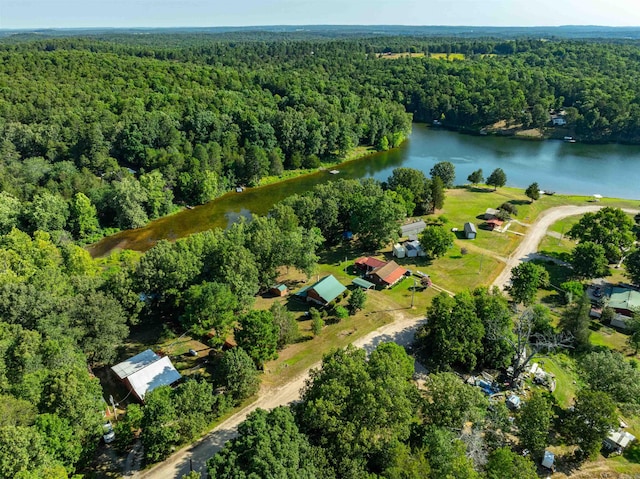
x=212, y=13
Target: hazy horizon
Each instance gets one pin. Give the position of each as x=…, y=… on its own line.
x=88, y=14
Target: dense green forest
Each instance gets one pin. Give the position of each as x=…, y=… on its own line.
x=99, y=133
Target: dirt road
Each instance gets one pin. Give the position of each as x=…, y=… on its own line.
x=528, y=248
x=400, y=331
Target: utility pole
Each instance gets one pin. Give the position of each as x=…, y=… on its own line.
x=115, y=410
x=561, y=235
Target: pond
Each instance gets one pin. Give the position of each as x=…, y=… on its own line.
x=571, y=168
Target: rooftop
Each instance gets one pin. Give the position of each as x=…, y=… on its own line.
x=390, y=273
x=470, y=228
x=363, y=283
x=370, y=262
x=623, y=298
x=135, y=364
x=413, y=228
x=328, y=288
x=159, y=373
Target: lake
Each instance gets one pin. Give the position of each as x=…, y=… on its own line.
x=572, y=168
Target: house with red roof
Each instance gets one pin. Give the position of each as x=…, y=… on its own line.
x=388, y=274
x=369, y=263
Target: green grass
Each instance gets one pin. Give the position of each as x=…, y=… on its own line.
x=564, y=369
x=556, y=247
x=449, y=56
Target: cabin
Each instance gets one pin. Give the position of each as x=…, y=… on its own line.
x=399, y=251
x=324, y=291
x=145, y=372
x=470, y=231
x=412, y=229
x=557, y=120
x=279, y=290
x=388, y=275
x=368, y=264
x=618, y=441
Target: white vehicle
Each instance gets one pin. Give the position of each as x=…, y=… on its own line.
x=108, y=434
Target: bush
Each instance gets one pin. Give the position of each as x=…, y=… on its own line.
x=316, y=325
x=341, y=312
x=509, y=208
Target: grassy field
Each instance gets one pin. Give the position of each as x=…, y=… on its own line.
x=564, y=369
x=449, y=56
x=395, y=56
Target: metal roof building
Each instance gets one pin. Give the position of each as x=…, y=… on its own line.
x=145, y=372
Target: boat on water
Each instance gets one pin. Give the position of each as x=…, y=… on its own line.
x=334, y=172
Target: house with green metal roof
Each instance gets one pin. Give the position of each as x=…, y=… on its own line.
x=623, y=300
x=325, y=291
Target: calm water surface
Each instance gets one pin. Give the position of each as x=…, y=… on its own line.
x=609, y=170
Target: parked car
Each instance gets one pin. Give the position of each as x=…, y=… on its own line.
x=193, y=352
x=107, y=432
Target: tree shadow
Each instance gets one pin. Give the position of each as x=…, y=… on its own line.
x=519, y=202
x=480, y=189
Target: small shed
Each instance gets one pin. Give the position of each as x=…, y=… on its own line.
x=399, y=251
x=413, y=249
x=548, y=460
x=363, y=283
x=279, y=290
x=618, y=440
x=470, y=231
x=413, y=229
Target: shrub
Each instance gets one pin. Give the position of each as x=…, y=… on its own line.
x=341, y=312
x=509, y=208
x=316, y=325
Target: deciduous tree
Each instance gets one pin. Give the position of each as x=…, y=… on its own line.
x=534, y=423
x=593, y=417
x=526, y=279
x=533, y=192
x=476, y=177
x=497, y=178
x=589, y=261
x=238, y=374
x=257, y=334
x=445, y=171
x=436, y=240
x=610, y=228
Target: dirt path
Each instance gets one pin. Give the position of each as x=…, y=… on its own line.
x=401, y=331
x=528, y=248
